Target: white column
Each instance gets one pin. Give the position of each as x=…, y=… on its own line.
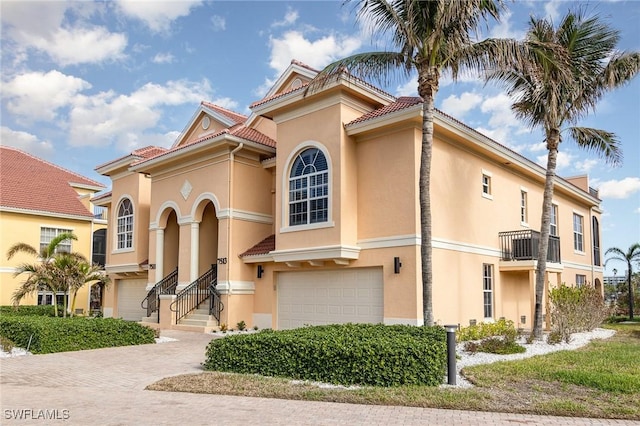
x=195, y=250
x=159, y=254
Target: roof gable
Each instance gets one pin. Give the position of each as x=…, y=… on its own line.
x=30, y=183
x=207, y=120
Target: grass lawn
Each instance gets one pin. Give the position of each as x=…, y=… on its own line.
x=600, y=380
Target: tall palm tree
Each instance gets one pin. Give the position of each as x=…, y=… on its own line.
x=566, y=72
x=82, y=273
x=632, y=255
x=431, y=37
x=40, y=274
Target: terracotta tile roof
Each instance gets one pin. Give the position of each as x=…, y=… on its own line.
x=239, y=130
x=142, y=153
x=30, y=183
x=263, y=247
x=101, y=197
x=234, y=116
x=400, y=104
x=278, y=95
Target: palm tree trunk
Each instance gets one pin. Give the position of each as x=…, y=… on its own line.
x=427, y=88
x=543, y=246
x=630, y=293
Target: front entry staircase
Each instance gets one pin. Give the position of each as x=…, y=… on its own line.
x=198, y=306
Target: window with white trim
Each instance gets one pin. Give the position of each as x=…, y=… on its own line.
x=309, y=188
x=125, y=225
x=48, y=234
x=578, y=232
x=486, y=184
x=581, y=280
x=487, y=289
x=553, y=226
x=523, y=206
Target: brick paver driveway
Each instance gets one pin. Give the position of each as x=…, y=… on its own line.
x=106, y=387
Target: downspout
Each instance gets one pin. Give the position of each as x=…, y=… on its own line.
x=230, y=215
x=593, y=239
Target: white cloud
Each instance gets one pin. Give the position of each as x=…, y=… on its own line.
x=458, y=106
x=499, y=107
x=638, y=210
x=26, y=142
x=551, y=9
x=503, y=29
x=537, y=147
x=290, y=18
x=563, y=161
x=410, y=88
x=619, y=189
x=586, y=165
x=82, y=45
x=125, y=120
x=163, y=58
x=157, y=15
x=38, y=96
x=501, y=135
x=218, y=23
x=317, y=53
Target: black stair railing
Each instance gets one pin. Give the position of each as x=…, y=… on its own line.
x=190, y=297
x=165, y=286
x=215, y=301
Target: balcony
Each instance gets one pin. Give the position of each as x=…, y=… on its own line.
x=523, y=245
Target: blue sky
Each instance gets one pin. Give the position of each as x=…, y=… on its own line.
x=87, y=82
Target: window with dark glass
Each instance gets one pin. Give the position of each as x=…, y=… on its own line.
x=309, y=188
x=125, y=224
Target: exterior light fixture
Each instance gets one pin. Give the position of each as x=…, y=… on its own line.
x=396, y=265
x=260, y=271
x=523, y=319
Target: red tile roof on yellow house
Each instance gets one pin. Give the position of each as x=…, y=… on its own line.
x=32, y=184
x=400, y=104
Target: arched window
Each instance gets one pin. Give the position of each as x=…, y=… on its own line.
x=309, y=188
x=596, y=242
x=125, y=224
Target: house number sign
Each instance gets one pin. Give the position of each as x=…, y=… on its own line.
x=222, y=260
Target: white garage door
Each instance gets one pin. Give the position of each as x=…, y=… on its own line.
x=130, y=295
x=330, y=297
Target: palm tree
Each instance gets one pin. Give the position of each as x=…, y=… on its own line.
x=566, y=72
x=40, y=274
x=83, y=273
x=431, y=37
x=633, y=254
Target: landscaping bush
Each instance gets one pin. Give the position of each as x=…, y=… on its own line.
x=495, y=345
x=48, y=335
x=345, y=354
x=502, y=327
x=30, y=310
x=576, y=309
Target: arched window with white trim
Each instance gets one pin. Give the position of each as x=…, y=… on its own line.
x=125, y=225
x=309, y=188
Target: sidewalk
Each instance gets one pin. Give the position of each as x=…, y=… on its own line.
x=106, y=387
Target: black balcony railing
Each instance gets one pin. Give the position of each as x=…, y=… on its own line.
x=523, y=245
x=166, y=286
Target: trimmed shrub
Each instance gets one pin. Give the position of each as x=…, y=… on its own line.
x=495, y=345
x=48, y=335
x=502, y=327
x=345, y=354
x=31, y=310
x=576, y=309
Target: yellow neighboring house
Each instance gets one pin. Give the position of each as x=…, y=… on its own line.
x=39, y=200
x=306, y=212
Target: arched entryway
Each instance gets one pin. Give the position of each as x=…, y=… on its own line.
x=208, y=238
x=96, y=296
x=171, y=247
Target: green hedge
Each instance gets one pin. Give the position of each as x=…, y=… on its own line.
x=345, y=354
x=49, y=335
x=31, y=310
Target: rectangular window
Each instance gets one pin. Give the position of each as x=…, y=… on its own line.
x=581, y=280
x=578, y=227
x=523, y=207
x=48, y=234
x=46, y=298
x=487, y=283
x=486, y=184
x=553, y=229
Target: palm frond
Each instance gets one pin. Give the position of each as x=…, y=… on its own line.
x=22, y=248
x=603, y=143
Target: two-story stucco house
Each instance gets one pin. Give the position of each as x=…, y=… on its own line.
x=306, y=212
x=38, y=201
